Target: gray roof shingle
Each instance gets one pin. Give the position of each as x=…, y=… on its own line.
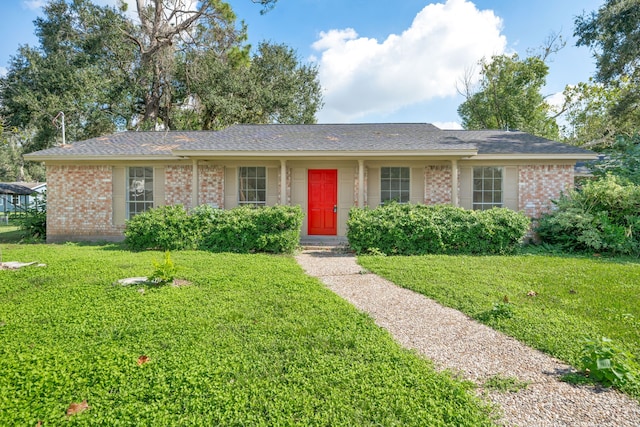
x=323, y=138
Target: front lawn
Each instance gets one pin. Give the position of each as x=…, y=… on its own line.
x=251, y=341
x=10, y=233
x=549, y=302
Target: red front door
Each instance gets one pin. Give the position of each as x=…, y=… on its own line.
x=323, y=202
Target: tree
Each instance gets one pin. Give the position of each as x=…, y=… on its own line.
x=166, y=26
x=613, y=34
x=180, y=67
x=270, y=87
x=12, y=165
x=69, y=72
x=589, y=111
x=622, y=159
x=508, y=97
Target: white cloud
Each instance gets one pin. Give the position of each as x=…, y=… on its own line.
x=448, y=125
x=363, y=76
x=34, y=4
x=556, y=101
x=3, y=71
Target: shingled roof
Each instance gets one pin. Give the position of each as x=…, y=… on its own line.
x=318, y=139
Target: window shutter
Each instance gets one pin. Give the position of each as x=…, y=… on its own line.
x=417, y=185
x=230, y=187
x=373, y=187
x=272, y=186
x=118, y=201
x=158, y=186
x=510, y=187
x=466, y=187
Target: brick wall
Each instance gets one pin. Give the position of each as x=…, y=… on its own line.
x=79, y=204
x=539, y=184
x=178, y=185
x=437, y=185
x=211, y=185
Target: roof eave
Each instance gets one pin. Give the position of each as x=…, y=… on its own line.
x=67, y=157
x=536, y=156
x=327, y=154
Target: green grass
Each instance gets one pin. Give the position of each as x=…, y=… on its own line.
x=573, y=298
x=10, y=234
x=252, y=341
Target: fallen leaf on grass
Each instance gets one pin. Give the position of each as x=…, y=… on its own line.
x=532, y=294
x=142, y=360
x=76, y=408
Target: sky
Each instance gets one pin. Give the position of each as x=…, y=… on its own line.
x=383, y=61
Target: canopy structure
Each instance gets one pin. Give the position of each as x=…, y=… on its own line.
x=16, y=196
x=15, y=188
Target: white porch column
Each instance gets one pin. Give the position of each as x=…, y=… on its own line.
x=283, y=182
x=194, y=184
x=360, y=183
x=454, y=182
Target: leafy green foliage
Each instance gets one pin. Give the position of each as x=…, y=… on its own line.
x=80, y=67
x=434, y=229
x=34, y=222
x=281, y=89
x=592, y=118
x=165, y=228
x=622, y=159
x=603, y=216
x=274, y=229
x=606, y=363
x=574, y=297
x=253, y=341
x=612, y=34
x=164, y=271
x=509, y=97
x=174, y=67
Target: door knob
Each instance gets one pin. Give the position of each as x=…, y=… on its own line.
x=335, y=208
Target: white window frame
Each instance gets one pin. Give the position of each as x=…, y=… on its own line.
x=139, y=191
x=403, y=184
x=249, y=191
x=485, y=191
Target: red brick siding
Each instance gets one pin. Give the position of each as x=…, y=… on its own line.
x=211, y=185
x=79, y=203
x=178, y=185
x=539, y=184
x=437, y=185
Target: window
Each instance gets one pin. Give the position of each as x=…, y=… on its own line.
x=15, y=200
x=487, y=187
x=252, y=186
x=394, y=185
x=139, y=190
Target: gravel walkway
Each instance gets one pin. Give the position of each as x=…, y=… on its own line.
x=454, y=341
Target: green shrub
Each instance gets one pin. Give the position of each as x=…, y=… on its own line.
x=34, y=221
x=406, y=229
x=165, y=228
x=245, y=229
x=603, y=216
x=274, y=229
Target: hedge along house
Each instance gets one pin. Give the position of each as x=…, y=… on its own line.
x=94, y=186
